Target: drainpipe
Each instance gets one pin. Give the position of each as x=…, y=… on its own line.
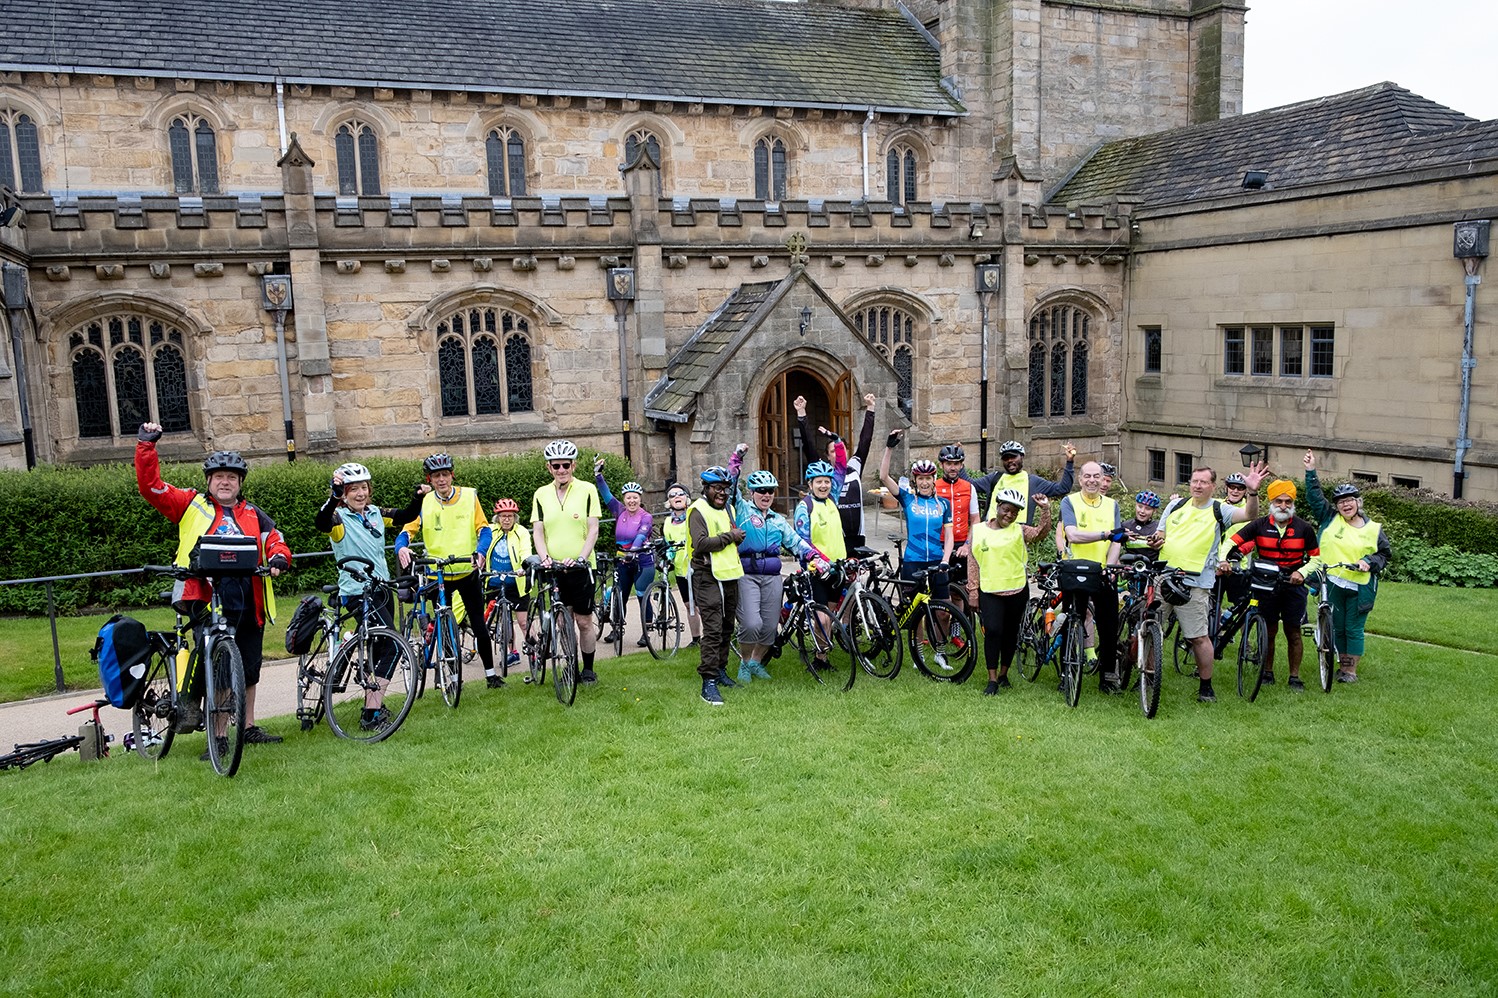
x=867, y=121
x=1470, y=246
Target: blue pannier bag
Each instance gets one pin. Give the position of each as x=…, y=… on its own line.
x=121, y=652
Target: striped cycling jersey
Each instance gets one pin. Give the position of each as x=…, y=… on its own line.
x=1289, y=549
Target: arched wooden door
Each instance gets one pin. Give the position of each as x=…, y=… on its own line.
x=780, y=446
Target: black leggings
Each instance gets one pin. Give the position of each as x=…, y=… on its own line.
x=472, y=592
x=1001, y=616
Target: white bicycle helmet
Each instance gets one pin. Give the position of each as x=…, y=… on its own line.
x=634, y=487
x=1010, y=496
x=1011, y=447
x=354, y=472
x=560, y=450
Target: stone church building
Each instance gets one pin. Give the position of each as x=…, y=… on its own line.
x=649, y=227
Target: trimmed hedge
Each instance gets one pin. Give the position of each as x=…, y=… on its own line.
x=66, y=521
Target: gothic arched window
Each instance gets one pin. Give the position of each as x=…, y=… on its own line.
x=20, y=152
x=127, y=370
x=484, y=362
x=1059, y=351
x=891, y=329
x=358, y=150
x=769, y=168
x=504, y=149
x=900, y=169
x=644, y=137
x=194, y=155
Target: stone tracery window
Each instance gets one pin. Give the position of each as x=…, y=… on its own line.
x=1059, y=351
x=358, y=150
x=194, y=150
x=770, y=164
x=645, y=137
x=891, y=330
x=20, y=152
x=504, y=149
x=129, y=369
x=900, y=171
x=484, y=362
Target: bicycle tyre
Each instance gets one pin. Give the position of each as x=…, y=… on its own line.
x=152, y=717
x=1127, y=651
x=947, y=652
x=874, y=630
x=663, y=633
x=311, y=667
x=1326, y=648
x=353, y=673
x=564, y=649
x=501, y=627
x=537, y=647
x=616, y=617
x=1182, y=655
x=224, y=697
x=1073, y=659
x=1251, y=657
x=447, y=657
x=1029, y=648
x=816, y=641
x=1150, y=665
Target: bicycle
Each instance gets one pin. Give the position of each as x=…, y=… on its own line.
x=870, y=620
x=608, y=601
x=223, y=679
x=499, y=617
x=1036, y=647
x=312, y=665
x=435, y=631
x=943, y=646
x=1264, y=578
x=371, y=669
x=1141, y=638
x=663, y=631
x=1321, y=632
x=551, y=633
x=1222, y=627
x=91, y=742
x=815, y=632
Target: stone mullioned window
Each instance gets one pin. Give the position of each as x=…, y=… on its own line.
x=1304, y=351
x=484, y=362
x=194, y=151
x=128, y=370
x=891, y=330
x=1059, y=350
x=20, y=152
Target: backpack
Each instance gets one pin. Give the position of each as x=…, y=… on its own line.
x=121, y=652
x=303, y=626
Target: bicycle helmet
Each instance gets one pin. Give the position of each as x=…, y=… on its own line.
x=1173, y=590
x=1236, y=480
x=560, y=450
x=1108, y=469
x=677, y=489
x=923, y=467
x=353, y=472
x=1011, y=447
x=951, y=452
x=1346, y=490
x=717, y=474
x=507, y=506
x=437, y=462
x=1148, y=499
x=634, y=487
x=1010, y=496
x=225, y=460
x=818, y=469
x=761, y=480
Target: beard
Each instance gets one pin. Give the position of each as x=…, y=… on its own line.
x=1282, y=515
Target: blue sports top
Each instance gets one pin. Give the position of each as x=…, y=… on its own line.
x=924, y=518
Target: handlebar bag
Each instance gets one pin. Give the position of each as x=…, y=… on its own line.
x=1077, y=575
x=225, y=556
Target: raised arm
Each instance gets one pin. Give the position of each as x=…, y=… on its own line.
x=866, y=432
x=884, y=476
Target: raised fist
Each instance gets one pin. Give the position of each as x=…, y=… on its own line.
x=799, y=404
x=149, y=432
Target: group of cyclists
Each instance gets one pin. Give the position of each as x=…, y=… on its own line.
x=729, y=550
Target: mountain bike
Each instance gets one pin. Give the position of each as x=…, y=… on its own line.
x=371, y=677
x=663, y=631
x=551, y=633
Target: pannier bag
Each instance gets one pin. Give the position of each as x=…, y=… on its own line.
x=121, y=652
x=303, y=626
x=1264, y=577
x=1077, y=575
x=225, y=556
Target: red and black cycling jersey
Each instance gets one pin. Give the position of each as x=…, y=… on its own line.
x=1289, y=550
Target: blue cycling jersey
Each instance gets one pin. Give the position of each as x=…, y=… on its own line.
x=924, y=518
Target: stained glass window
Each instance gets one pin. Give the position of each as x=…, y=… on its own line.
x=1059, y=350
x=128, y=382
x=91, y=394
x=476, y=376
x=890, y=330
x=130, y=396
x=900, y=174
x=358, y=152
x=194, y=152
x=769, y=169
x=20, y=152
x=171, y=389
x=504, y=151
x=1037, y=379
x=452, y=371
x=518, y=373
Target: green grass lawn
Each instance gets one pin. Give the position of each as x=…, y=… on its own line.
x=902, y=839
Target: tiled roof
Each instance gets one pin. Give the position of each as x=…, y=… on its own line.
x=1363, y=133
x=694, y=365
x=724, y=51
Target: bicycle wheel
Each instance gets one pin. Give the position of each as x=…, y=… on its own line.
x=826, y=649
x=875, y=633
x=1251, y=656
x=564, y=657
x=1073, y=660
x=1326, y=648
x=501, y=627
x=1151, y=668
x=942, y=644
x=1031, y=648
x=448, y=660
x=663, y=633
x=1181, y=653
x=1128, y=650
x=311, y=667
x=616, y=617
x=224, y=701
x=151, y=717
x=537, y=647
x=377, y=665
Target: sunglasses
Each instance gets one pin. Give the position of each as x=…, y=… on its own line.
x=560, y=465
x=763, y=492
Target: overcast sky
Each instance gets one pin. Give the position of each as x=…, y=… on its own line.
x=1441, y=49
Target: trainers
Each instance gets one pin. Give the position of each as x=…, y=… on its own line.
x=710, y=693
x=223, y=749
x=695, y=643
x=256, y=735
x=588, y=676
x=378, y=719
x=1295, y=685
x=189, y=718
x=746, y=673
x=1109, y=684
x=723, y=679
x=1003, y=682
x=992, y=688
x=1206, y=695
x=493, y=682
x=513, y=658
x=642, y=642
x=759, y=670
x=1343, y=676
x=605, y=639
x=1266, y=678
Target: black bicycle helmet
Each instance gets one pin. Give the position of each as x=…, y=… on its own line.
x=225, y=460
x=1173, y=590
x=951, y=452
x=437, y=462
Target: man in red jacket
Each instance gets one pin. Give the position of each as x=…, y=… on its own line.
x=1286, y=540
x=248, y=603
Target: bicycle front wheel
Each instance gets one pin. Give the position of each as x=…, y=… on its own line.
x=564, y=657
x=942, y=644
x=1148, y=661
x=224, y=699
x=370, y=686
x=501, y=635
x=448, y=656
x=1073, y=660
x=1031, y=648
x=1326, y=648
x=151, y=717
x=874, y=630
x=1251, y=657
x=663, y=633
x=311, y=667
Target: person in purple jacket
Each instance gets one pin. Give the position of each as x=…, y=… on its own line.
x=632, y=526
